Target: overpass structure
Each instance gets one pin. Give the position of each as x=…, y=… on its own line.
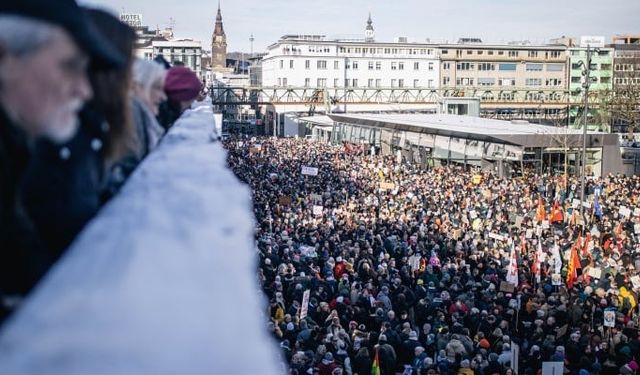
x=509, y=103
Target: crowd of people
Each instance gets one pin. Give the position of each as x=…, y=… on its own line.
x=374, y=266
x=78, y=113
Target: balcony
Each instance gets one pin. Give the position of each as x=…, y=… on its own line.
x=162, y=281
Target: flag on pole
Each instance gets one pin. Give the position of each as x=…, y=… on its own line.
x=557, y=259
x=597, y=209
x=556, y=215
x=537, y=259
x=574, y=264
x=375, y=368
x=540, y=211
x=512, y=272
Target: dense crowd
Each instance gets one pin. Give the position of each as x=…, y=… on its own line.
x=441, y=270
x=78, y=113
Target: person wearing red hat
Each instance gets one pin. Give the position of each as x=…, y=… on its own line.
x=182, y=87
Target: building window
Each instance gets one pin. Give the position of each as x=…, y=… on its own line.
x=480, y=52
x=464, y=81
x=469, y=52
x=513, y=53
x=534, y=82
x=446, y=66
x=465, y=66
x=281, y=64
x=370, y=65
x=336, y=64
x=534, y=67
x=347, y=82
x=393, y=83
x=307, y=64
x=279, y=81
x=430, y=83
x=554, y=82
x=486, y=81
x=555, y=54
x=336, y=82
x=555, y=67
x=446, y=80
x=401, y=83
x=603, y=53
x=445, y=52
x=576, y=79
x=500, y=53
x=575, y=66
x=290, y=64
x=605, y=66
x=509, y=67
x=486, y=66
x=322, y=64
x=605, y=80
x=378, y=65
x=400, y=65
x=506, y=81
x=354, y=65
x=307, y=82
x=354, y=82
x=416, y=66
x=394, y=65
x=284, y=82
x=370, y=82
x=430, y=66
x=416, y=83
x=533, y=54
x=378, y=82
x=322, y=82
x=489, y=52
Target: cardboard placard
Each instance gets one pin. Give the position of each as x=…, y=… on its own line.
x=309, y=171
x=609, y=318
x=506, y=287
x=562, y=331
x=519, y=220
x=317, y=210
x=285, y=200
x=556, y=279
x=387, y=186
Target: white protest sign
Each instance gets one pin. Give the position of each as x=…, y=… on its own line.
x=636, y=281
x=552, y=368
x=586, y=204
x=609, y=318
x=596, y=273
x=309, y=171
x=556, y=279
x=317, y=210
x=515, y=357
x=636, y=229
x=575, y=203
x=473, y=214
x=240, y=144
x=636, y=211
x=497, y=237
x=624, y=211
x=305, y=304
x=545, y=224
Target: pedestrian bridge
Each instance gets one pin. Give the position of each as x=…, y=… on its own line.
x=162, y=281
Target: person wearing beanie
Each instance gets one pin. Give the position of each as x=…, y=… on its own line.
x=465, y=368
x=182, y=87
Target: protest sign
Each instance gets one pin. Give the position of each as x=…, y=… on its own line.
x=556, y=279
x=596, y=273
x=309, y=171
x=497, y=237
x=317, y=210
x=624, y=211
x=635, y=280
x=562, y=331
x=507, y=287
x=609, y=318
x=552, y=368
x=387, y=186
x=305, y=304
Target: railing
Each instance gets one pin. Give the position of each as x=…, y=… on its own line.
x=162, y=281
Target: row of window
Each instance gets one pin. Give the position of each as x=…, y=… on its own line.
x=355, y=65
x=386, y=51
x=605, y=80
x=503, y=67
x=626, y=67
x=370, y=83
x=627, y=81
x=489, y=81
x=532, y=54
x=594, y=66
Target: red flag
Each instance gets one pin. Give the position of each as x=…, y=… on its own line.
x=556, y=214
x=540, y=211
x=574, y=264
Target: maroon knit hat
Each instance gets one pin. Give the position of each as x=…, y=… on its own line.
x=182, y=84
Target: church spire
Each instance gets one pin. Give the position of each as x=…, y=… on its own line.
x=369, y=32
x=219, y=30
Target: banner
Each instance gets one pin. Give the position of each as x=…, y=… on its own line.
x=609, y=318
x=305, y=304
x=387, y=186
x=309, y=171
x=317, y=210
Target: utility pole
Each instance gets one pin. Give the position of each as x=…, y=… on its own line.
x=251, y=39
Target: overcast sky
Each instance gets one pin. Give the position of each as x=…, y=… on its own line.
x=491, y=20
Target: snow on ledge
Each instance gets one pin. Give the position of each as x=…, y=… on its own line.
x=162, y=281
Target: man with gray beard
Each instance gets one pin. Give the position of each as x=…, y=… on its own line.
x=45, y=49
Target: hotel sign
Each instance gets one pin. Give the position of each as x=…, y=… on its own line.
x=131, y=19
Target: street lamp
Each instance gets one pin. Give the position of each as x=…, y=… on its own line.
x=586, y=72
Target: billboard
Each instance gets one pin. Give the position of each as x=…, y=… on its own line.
x=592, y=41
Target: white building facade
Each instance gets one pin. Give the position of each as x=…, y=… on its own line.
x=186, y=51
x=315, y=61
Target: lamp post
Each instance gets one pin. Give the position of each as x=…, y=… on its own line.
x=586, y=72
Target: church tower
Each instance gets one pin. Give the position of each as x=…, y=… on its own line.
x=219, y=44
x=369, y=35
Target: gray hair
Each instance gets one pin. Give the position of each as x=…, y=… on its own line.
x=21, y=36
x=146, y=72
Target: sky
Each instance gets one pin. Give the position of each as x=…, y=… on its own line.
x=493, y=21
